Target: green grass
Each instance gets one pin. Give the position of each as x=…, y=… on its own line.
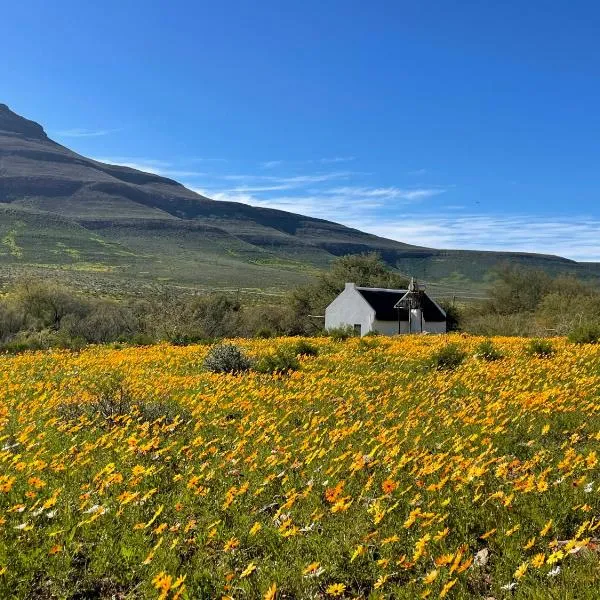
x=464, y=454
x=142, y=248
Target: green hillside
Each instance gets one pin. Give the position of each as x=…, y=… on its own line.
x=111, y=227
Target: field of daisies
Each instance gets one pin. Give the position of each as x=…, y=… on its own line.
x=413, y=467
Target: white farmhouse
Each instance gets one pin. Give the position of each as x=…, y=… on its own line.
x=384, y=311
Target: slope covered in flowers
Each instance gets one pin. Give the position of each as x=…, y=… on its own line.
x=133, y=473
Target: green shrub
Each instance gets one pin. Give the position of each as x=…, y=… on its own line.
x=138, y=339
x=367, y=343
x=188, y=339
x=111, y=399
x=454, y=315
x=167, y=411
x=585, y=334
x=540, y=348
x=491, y=324
x=281, y=361
x=42, y=340
x=110, y=408
x=303, y=348
x=226, y=358
x=448, y=357
x=487, y=351
x=264, y=333
x=339, y=334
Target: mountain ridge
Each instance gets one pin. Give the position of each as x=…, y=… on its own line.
x=173, y=233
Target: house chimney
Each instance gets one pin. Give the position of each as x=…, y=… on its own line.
x=350, y=286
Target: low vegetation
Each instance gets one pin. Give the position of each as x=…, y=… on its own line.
x=585, y=334
x=487, y=350
x=540, y=348
x=363, y=473
x=531, y=303
x=281, y=360
x=448, y=357
x=304, y=348
x=38, y=314
x=226, y=358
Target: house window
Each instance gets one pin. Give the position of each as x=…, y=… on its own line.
x=357, y=329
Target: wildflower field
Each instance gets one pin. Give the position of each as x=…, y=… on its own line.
x=369, y=472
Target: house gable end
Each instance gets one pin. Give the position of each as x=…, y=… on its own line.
x=350, y=309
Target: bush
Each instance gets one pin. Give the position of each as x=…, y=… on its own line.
x=264, y=333
x=226, y=358
x=367, y=343
x=453, y=315
x=282, y=360
x=167, y=410
x=111, y=408
x=487, y=351
x=42, y=340
x=188, y=339
x=448, y=357
x=112, y=396
x=303, y=348
x=491, y=324
x=585, y=334
x=339, y=334
x=111, y=400
x=139, y=339
x=104, y=321
x=540, y=348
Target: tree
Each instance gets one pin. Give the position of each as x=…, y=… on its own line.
x=519, y=289
x=368, y=270
x=453, y=315
x=47, y=304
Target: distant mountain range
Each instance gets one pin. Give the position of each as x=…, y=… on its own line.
x=63, y=213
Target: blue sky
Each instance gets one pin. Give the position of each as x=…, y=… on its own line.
x=464, y=125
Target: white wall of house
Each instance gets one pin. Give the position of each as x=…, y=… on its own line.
x=416, y=320
x=389, y=327
x=350, y=309
x=434, y=326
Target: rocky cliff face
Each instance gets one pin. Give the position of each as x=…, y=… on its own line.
x=13, y=124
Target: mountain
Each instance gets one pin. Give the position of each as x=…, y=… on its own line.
x=61, y=212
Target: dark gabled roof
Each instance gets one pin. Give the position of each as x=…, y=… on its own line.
x=383, y=302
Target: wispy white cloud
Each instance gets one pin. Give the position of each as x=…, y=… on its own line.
x=293, y=181
x=391, y=193
x=396, y=212
x=315, y=178
x=375, y=210
x=572, y=237
x=318, y=206
x=337, y=159
x=259, y=188
x=204, y=159
x=179, y=173
x=271, y=164
x=150, y=165
x=338, y=204
x=82, y=133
